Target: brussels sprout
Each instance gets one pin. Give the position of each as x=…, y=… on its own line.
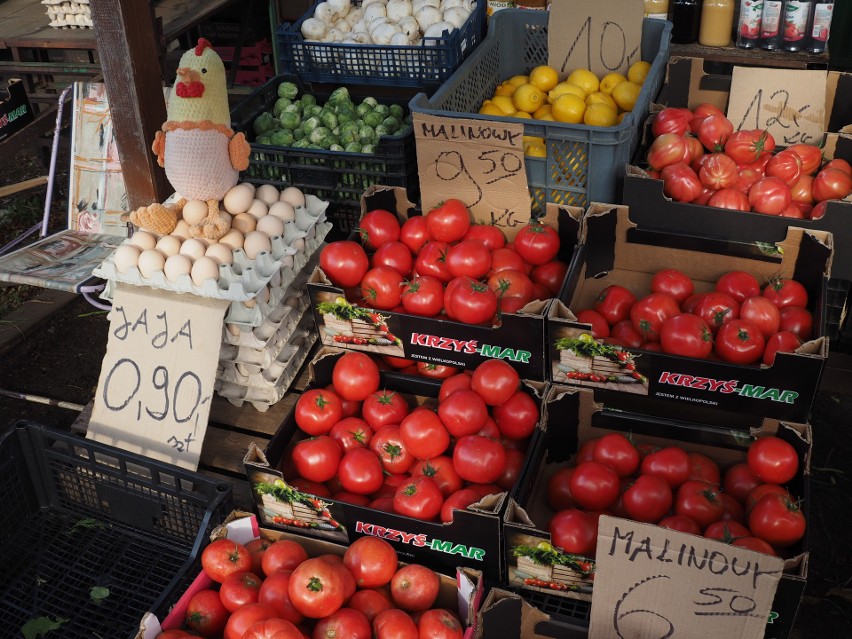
x=280, y=105
x=299, y=132
x=304, y=143
x=263, y=138
x=318, y=134
x=339, y=96
x=316, y=147
x=368, y=148
x=345, y=116
x=381, y=130
x=349, y=133
x=310, y=124
x=308, y=100
x=363, y=109
x=383, y=110
x=263, y=123
x=397, y=111
x=353, y=147
x=367, y=135
x=336, y=147
x=312, y=110
x=288, y=90
x=328, y=119
x=405, y=129
x=282, y=137
x=297, y=104
x=370, y=101
x=290, y=120
x=391, y=124
x=373, y=118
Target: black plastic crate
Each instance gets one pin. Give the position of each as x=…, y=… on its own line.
x=836, y=299
x=338, y=177
x=78, y=514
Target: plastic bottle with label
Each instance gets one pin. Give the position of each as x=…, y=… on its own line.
x=748, y=25
x=820, y=22
x=717, y=21
x=795, y=35
x=658, y=9
x=497, y=5
x=771, y=24
x=686, y=18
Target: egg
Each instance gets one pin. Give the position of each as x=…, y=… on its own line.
x=293, y=196
x=221, y=253
x=270, y=225
x=238, y=199
x=251, y=187
x=194, y=211
x=245, y=223
x=256, y=242
x=283, y=211
x=150, y=261
x=299, y=244
x=182, y=230
x=126, y=256
x=203, y=269
x=193, y=248
x=233, y=238
x=292, y=301
x=233, y=329
x=169, y=245
x=264, y=295
x=250, y=303
x=177, y=265
x=226, y=216
x=143, y=240
x=268, y=194
x=258, y=209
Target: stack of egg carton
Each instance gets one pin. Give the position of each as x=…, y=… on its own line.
x=68, y=15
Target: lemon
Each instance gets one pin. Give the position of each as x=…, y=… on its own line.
x=535, y=151
x=584, y=79
x=547, y=117
x=600, y=115
x=638, y=71
x=544, y=109
x=529, y=98
x=522, y=114
x=622, y=115
x=504, y=104
x=504, y=89
x=518, y=80
x=610, y=80
x=532, y=139
x=599, y=97
x=488, y=108
x=569, y=108
x=565, y=87
x=625, y=94
x=544, y=77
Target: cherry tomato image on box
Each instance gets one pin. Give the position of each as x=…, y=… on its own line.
x=740, y=342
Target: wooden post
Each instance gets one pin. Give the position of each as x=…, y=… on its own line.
x=129, y=48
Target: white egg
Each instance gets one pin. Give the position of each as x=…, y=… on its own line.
x=221, y=253
x=204, y=268
x=233, y=329
x=268, y=193
x=299, y=244
x=233, y=238
x=194, y=211
x=182, y=230
x=238, y=199
x=270, y=225
x=258, y=209
x=250, y=303
x=283, y=211
x=245, y=223
x=226, y=216
x=293, y=195
x=169, y=245
x=143, y=240
x=256, y=242
x=263, y=295
x=251, y=187
x=193, y=248
x=177, y=265
x=126, y=256
x=150, y=261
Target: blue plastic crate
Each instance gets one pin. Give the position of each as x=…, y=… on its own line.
x=584, y=164
x=424, y=66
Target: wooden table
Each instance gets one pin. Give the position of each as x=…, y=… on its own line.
x=752, y=57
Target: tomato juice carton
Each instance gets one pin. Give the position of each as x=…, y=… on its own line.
x=683, y=567
x=518, y=339
x=462, y=593
x=471, y=540
x=616, y=251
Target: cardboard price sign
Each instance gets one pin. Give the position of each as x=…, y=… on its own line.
x=788, y=104
x=603, y=37
x=655, y=582
x=478, y=162
x=157, y=376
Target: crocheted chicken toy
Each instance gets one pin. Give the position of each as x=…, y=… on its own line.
x=200, y=152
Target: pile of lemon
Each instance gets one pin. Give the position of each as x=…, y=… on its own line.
x=582, y=98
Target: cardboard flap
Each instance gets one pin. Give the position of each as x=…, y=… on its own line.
x=515, y=514
x=558, y=310
x=255, y=456
x=390, y=198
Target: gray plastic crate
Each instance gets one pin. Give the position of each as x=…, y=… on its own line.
x=584, y=164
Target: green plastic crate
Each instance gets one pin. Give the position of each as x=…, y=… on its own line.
x=584, y=164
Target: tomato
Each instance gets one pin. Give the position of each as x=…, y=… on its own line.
x=275, y=592
x=435, y=371
x=625, y=332
x=344, y=262
x=702, y=111
x=748, y=177
x=372, y=561
x=665, y=150
x=346, y=623
x=740, y=342
x=649, y=313
x=739, y=285
x=414, y=233
x=432, y=261
x=769, y=195
x=733, y=509
x=478, y=459
x=798, y=321
x=384, y=407
x=670, y=463
x=316, y=589
x=785, y=165
x=396, y=255
x=810, y=156
x=223, y=557
x=370, y=602
x=672, y=282
x=738, y=481
x=239, y=589
x=671, y=120
x=599, y=326
x=763, y=313
x=773, y=460
x=550, y=275
x=594, y=485
x=783, y=342
x=730, y=198
x=440, y=469
x=351, y=498
x=687, y=335
x=699, y=501
x=360, y=472
x=256, y=548
x=488, y=234
x=703, y=198
x=394, y=624
x=448, y=222
x=613, y=303
x=282, y=555
x=460, y=381
x=246, y=616
x=831, y=184
x=317, y=458
x=574, y=531
x=516, y=417
x=388, y=444
x=469, y=258
x=537, y=243
x=761, y=491
x=681, y=183
x=423, y=295
x=777, y=520
x=508, y=283
x=414, y=587
x=802, y=190
x=351, y=433
x=206, y=614
x=681, y=523
x=726, y=531
x=753, y=543
x=703, y=468
x=355, y=377
x=647, y=499
x=714, y=131
x=378, y=227
x=174, y=633
x=439, y=623
x=716, y=309
x=746, y=146
x=462, y=413
x=718, y=171
x=470, y=302
x=458, y=500
x=795, y=210
x=317, y=411
x=495, y=381
x=617, y=451
x=505, y=259
x=818, y=211
x=420, y=498
x=783, y=292
x=559, y=489
x=381, y=288
x=424, y=434
x=512, y=470
x=310, y=487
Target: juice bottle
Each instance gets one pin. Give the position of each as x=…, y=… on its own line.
x=795, y=34
x=770, y=24
x=686, y=18
x=717, y=21
x=658, y=9
x=820, y=26
x=748, y=26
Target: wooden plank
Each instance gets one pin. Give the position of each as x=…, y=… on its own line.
x=247, y=418
x=225, y=449
x=22, y=186
x=752, y=57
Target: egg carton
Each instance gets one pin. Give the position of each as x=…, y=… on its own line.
x=244, y=279
x=281, y=321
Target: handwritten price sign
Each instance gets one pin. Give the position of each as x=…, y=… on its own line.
x=157, y=376
x=477, y=161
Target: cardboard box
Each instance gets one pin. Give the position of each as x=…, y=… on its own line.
x=508, y=615
x=471, y=540
x=15, y=110
x=615, y=568
x=615, y=251
x=519, y=339
x=462, y=593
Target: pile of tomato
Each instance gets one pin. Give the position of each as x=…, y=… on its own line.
x=372, y=448
x=273, y=590
x=701, y=159
x=441, y=264
x=747, y=506
x=738, y=322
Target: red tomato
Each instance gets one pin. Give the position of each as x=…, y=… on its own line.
x=782, y=341
x=469, y=258
x=786, y=165
x=769, y=195
x=355, y=376
x=550, y=275
x=317, y=458
x=671, y=120
x=239, y=589
x=438, y=623
x=423, y=295
x=648, y=499
x=206, y=615
x=424, y=434
x=414, y=587
x=599, y=326
x=360, y=472
x=495, y=381
x=687, y=335
x=388, y=444
x=818, y=211
x=441, y=470
x=718, y=171
x=746, y=146
x=740, y=342
x=516, y=417
x=702, y=111
x=420, y=498
x=672, y=282
x=344, y=262
x=777, y=520
x=696, y=149
x=810, y=155
x=275, y=592
x=282, y=555
x=783, y=292
x=512, y=470
x=345, y=623
x=699, y=501
x=245, y=617
x=256, y=548
x=733, y=509
x=378, y=227
x=613, y=303
x=802, y=191
x=435, y=371
x=748, y=177
x=763, y=313
x=726, y=531
x=681, y=183
x=617, y=451
x=448, y=222
x=559, y=489
x=317, y=411
x=681, y=523
x=649, y=313
x=537, y=243
x=174, y=633
x=488, y=234
x=505, y=259
x=665, y=150
x=574, y=531
x=773, y=460
x=459, y=500
x=370, y=602
x=508, y=283
x=730, y=198
x=414, y=233
x=798, y=321
x=396, y=255
x=478, y=459
x=310, y=487
x=738, y=481
x=670, y=463
x=223, y=557
x=372, y=561
x=432, y=261
x=714, y=131
x=381, y=288
x=351, y=498
x=831, y=184
x=384, y=407
x=351, y=433
x=463, y=413
x=753, y=543
x=394, y=624
x=739, y=285
x=703, y=468
x=316, y=589
x=471, y=302
x=594, y=485
x=716, y=309
x=625, y=332
x=761, y=491
x=461, y=381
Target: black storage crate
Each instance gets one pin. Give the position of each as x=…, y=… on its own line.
x=836, y=310
x=79, y=515
x=338, y=177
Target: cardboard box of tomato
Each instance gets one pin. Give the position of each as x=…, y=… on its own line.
x=518, y=339
x=508, y=615
x=462, y=592
x=683, y=578
x=616, y=251
x=472, y=539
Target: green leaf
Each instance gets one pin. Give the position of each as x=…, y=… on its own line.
x=40, y=626
x=768, y=248
x=98, y=593
x=87, y=524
